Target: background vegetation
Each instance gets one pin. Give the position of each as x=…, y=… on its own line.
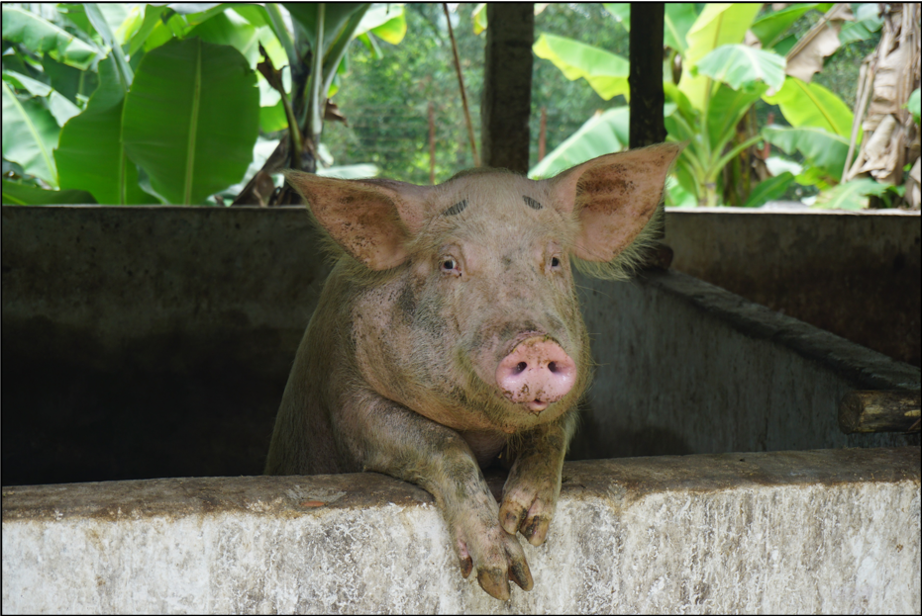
x=420, y=69
x=59, y=88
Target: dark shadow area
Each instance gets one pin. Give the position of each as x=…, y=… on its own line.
x=595, y=442
x=166, y=407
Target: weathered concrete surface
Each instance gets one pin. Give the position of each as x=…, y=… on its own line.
x=856, y=274
x=687, y=367
x=804, y=532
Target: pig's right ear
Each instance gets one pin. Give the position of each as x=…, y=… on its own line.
x=370, y=219
x=614, y=197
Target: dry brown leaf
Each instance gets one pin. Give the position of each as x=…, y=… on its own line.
x=806, y=57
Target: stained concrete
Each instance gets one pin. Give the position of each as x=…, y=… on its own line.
x=856, y=274
x=797, y=532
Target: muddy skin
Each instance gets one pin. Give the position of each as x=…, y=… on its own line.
x=449, y=332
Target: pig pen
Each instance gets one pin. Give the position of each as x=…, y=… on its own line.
x=145, y=351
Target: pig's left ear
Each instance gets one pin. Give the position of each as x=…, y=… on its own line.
x=372, y=220
x=614, y=195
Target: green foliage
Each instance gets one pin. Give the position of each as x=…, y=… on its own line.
x=208, y=96
x=15, y=193
x=69, y=83
x=606, y=132
x=606, y=72
x=29, y=135
x=736, y=65
x=91, y=154
x=914, y=105
x=387, y=102
x=40, y=36
x=770, y=189
x=104, y=99
x=852, y=195
x=821, y=149
x=722, y=86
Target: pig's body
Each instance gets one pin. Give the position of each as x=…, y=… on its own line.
x=449, y=333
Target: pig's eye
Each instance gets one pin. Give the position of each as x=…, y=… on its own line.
x=449, y=266
x=555, y=262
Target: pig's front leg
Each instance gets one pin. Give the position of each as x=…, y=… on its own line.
x=531, y=490
x=391, y=439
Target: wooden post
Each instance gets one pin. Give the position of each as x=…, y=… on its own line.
x=646, y=74
x=506, y=103
x=880, y=411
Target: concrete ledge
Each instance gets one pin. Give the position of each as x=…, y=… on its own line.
x=816, y=531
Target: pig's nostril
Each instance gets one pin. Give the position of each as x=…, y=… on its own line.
x=520, y=367
x=552, y=367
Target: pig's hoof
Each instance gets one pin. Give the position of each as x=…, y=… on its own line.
x=528, y=511
x=499, y=559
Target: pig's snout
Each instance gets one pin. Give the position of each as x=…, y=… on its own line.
x=536, y=373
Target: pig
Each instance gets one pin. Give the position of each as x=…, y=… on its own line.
x=448, y=335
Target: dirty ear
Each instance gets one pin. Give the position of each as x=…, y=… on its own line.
x=370, y=219
x=614, y=196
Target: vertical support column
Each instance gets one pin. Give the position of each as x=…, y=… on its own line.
x=647, y=98
x=506, y=103
x=646, y=74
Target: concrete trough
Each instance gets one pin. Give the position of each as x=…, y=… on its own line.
x=150, y=343
x=792, y=532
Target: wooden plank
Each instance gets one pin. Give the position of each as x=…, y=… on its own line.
x=880, y=411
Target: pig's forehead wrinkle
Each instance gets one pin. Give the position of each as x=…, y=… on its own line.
x=491, y=186
x=492, y=209
x=515, y=202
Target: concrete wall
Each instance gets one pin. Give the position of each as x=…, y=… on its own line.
x=148, y=341
x=856, y=274
x=156, y=342
x=687, y=367
x=803, y=532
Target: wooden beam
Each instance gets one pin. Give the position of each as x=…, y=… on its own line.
x=880, y=411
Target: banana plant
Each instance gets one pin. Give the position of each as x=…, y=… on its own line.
x=714, y=74
x=145, y=103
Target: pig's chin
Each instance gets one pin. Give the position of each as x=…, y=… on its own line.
x=510, y=417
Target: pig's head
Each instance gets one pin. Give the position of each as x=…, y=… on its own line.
x=478, y=325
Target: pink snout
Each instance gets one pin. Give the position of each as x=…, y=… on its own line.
x=536, y=373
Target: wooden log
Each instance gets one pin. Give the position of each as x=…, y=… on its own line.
x=880, y=411
x=646, y=74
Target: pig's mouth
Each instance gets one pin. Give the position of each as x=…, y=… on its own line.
x=533, y=403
